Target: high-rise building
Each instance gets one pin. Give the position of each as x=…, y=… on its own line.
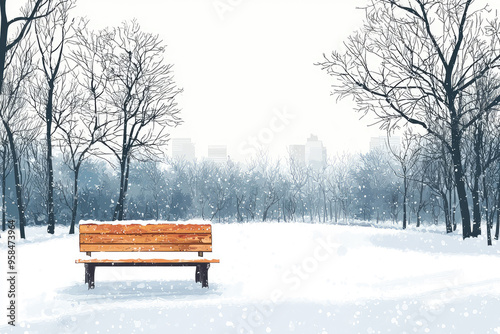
x=217, y=153
x=183, y=148
x=298, y=153
x=315, y=152
x=380, y=144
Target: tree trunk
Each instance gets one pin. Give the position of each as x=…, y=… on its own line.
x=488, y=233
x=459, y=181
x=218, y=210
x=121, y=213
x=239, y=217
x=118, y=212
x=50, y=197
x=4, y=28
x=497, y=230
x=337, y=212
x=17, y=180
x=74, y=209
x=325, y=211
x=283, y=209
x=4, y=186
x=3, y=49
x=476, y=206
x=405, y=198
x=420, y=205
x=449, y=227
x=331, y=208
x=450, y=201
x=453, y=216
x=279, y=215
x=120, y=195
x=264, y=215
x=489, y=217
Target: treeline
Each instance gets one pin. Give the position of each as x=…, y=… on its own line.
x=409, y=184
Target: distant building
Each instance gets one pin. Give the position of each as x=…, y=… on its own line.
x=380, y=144
x=183, y=148
x=313, y=153
x=217, y=153
x=298, y=153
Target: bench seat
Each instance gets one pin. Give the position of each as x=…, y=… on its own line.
x=147, y=261
x=146, y=238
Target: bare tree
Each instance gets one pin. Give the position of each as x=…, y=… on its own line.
x=51, y=36
x=438, y=177
x=497, y=229
x=341, y=183
x=14, y=115
x=374, y=185
x=220, y=191
x=202, y=173
x=238, y=187
x=6, y=169
x=155, y=182
x=269, y=185
x=483, y=149
x=407, y=157
x=12, y=32
x=34, y=177
x=81, y=115
x=253, y=183
x=142, y=96
x=410, y=63
x=418, y=178
x=319, y=178
x=298, y=179
x=80, y=128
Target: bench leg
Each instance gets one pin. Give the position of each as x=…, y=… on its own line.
x=198, y=274
x=204, y=274
x=90, y=275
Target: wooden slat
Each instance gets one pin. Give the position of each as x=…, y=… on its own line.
x=140, y=229
x=145, y=247
x=148, y=261
x=149, y=238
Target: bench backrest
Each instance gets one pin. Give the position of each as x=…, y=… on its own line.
x=146, y=238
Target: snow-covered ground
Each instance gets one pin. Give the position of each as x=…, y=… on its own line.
x=273, y=278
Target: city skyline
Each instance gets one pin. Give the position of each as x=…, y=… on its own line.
x=246, y=85
x=312, y=149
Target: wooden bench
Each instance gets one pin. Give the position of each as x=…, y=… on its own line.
x=146, y=238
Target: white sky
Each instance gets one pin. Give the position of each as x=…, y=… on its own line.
x=241, y=61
